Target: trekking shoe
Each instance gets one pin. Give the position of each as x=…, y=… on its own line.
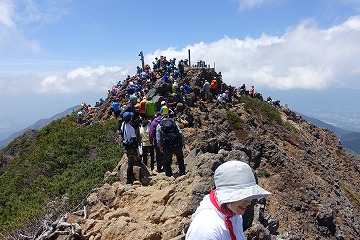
x=138, y=183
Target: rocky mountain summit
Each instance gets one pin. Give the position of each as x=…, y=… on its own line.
x=314, y=182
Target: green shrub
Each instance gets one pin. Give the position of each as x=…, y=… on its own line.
x=266, y=173
x=290, y=127
x=352, y=195
x=63, y=159
x=261, y=107
x=264, y=108
x=234, y=120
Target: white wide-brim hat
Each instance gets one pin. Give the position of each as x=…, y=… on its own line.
x=234, y=181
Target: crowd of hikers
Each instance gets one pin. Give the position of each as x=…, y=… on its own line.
x=147, y=130
x=85, y=113
x=149, y=127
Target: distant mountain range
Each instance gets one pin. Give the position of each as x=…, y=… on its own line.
x=349, y=139
x=38, y=125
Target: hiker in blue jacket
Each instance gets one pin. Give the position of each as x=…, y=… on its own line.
x=116, y=107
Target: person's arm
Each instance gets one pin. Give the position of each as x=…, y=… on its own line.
x=151, y=134
x=205, y=229
x=182, y=136
x=133, y=137
x=158, y=137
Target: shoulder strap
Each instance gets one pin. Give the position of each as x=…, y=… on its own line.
x=227, y=217
x=124, y=135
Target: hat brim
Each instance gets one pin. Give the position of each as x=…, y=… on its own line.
x=232, y=195
x=128, y=116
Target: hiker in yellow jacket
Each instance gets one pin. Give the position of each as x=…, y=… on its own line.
x=164, y=110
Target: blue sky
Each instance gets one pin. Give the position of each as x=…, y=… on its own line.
x=57, y=53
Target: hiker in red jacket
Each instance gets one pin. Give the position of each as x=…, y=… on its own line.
x=252, y=91
x=142, y=109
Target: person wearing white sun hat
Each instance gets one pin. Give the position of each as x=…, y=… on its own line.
x=219, y=215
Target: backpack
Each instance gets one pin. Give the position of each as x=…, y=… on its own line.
x=170, y=134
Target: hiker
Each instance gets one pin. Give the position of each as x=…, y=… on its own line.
x=142, y=109
x=222, y=101
x=138, y=70
x=80, y=117
x=169, y=68
x=219, y=215
x=90, y=109
x=157, y=61
x=131, y=107
x=163, y=62
x=164, y=110
x=242, y=89
x=165, y=79
x=252, y=91
x=116, y=108
x=170, y=140
x=130, y=89
x=146, y=145
x=130, y=145
x=175, y=87
x=213, y=87
x=206, y=88
x=181, y=69
x=142, y=78
x=234, y=94
x=150, y=109
x=223, y=87
x=187, y=88
x=152, y=138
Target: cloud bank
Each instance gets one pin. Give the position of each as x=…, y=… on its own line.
x=305, y=57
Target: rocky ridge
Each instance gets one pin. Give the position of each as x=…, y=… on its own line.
x=313, y=181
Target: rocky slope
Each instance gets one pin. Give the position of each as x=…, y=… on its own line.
x=306, y=172
x=314, y=182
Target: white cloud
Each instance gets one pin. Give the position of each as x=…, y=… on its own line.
x=88, y=71
x=88, y=79
x=6, y=13
x=305, y=57
x=249, y=4
x=85, y=79
x=47, y=12
x=16, y=16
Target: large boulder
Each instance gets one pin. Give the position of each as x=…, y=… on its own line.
x=141, y=172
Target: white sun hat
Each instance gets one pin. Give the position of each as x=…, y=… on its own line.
x=234, y=181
